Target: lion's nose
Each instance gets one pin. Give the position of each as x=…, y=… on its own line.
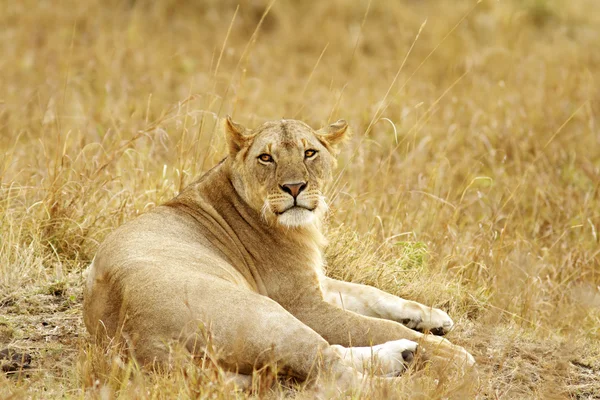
x=294, y=188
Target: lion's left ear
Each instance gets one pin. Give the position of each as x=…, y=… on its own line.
x=333, y=135
x=236, y=136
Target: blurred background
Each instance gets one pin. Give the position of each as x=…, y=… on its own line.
x=471, y=181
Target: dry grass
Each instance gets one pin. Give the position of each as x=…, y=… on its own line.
x=472, y=181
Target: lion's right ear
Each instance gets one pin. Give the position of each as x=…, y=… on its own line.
x=236, y=137
x=333, y=135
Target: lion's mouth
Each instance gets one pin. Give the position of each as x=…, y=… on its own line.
x=297, y=206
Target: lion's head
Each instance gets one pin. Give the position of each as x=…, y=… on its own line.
x=280, y=168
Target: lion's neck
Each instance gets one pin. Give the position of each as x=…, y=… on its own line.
x=256, y=247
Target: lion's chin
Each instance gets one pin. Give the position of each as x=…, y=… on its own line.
x=296, y=217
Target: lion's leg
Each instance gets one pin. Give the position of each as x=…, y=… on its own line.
x=240, y=330
x=372, y=302
x=347, y=328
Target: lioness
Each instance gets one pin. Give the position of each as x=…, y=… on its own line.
x=237, y=258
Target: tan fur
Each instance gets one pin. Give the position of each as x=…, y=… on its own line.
x=229, y=264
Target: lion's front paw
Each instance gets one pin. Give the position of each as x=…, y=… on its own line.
x=426, y=319
x=394, y=357
x=435, y=321
x=390, y=358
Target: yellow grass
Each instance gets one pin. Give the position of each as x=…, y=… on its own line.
x=472, y=181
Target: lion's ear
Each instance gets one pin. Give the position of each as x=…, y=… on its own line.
x=236, y=137
x=333, y=135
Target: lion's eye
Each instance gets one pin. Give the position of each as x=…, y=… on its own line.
x=265, y=158
x=310, y=153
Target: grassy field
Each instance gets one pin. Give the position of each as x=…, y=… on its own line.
x=471, y=183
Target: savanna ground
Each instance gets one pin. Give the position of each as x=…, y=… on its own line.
x=471, y=182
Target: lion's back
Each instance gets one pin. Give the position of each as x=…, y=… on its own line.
x=137, y=255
